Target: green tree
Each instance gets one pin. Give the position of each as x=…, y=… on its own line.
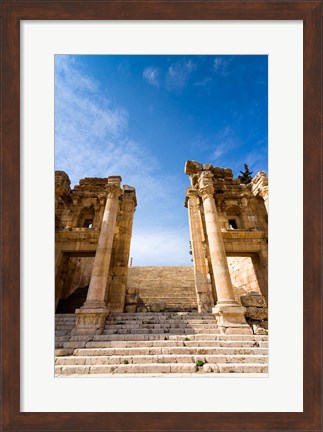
x=246, y=176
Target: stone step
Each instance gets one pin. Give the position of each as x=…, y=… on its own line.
x=174, y=298
x=184, y=305
x=169, y=339
x=63, y=321
x=206, y=350
x=66, y=315
x=63, y=338
x=159, y=292
x=60, y=319
x=161, y=321
x=159, y=316
x=167, y=358
x=139, y=331
x=160, y=368
x=175, y=322
x=165, y=325
x=62, y=332
x=64, y=326
x=76, y=341
x=114, y=344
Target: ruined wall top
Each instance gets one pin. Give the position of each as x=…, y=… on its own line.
x=90, y=186
x=62, y=183
x=245, y=203
x=222, y=178
x=82, y=207
x=96, y=184
x=192, y=167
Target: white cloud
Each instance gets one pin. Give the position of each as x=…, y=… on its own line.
x=91, y=140
x=90, y=134
x=221, y=65
x=179, y=73
x=204, y=82
x=150, y=246
x=224, y=142
x=151, y=75
x=257, y=159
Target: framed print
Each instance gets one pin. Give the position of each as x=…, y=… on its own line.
x=168, y=42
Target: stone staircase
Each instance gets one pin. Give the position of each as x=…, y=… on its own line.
x=156, y=344
x=175, y=286
x=176, y=301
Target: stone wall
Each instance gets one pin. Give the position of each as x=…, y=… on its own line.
x=243, y=276
x=227, y=218
x=176, y=285
x=96, y=210
x=78, y=275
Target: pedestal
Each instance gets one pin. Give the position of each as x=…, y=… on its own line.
x=90, y=321
x=231, y=319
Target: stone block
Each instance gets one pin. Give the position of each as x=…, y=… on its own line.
x=260, y=329
x=131, y=308
x=158, y=306
x=183, y=368
x=210, y=368
x=253, y=300
x=257, y=313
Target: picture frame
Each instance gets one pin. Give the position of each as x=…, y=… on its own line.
x=13, y=13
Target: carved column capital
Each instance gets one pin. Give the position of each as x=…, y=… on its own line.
x=113, y=191
x=206, y=187
x=207, y=191
x=191, y=192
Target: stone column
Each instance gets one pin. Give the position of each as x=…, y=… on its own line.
x=230, y=315
x=259, y=186
x=264, y=195
x=91, y=317
x=117, y=293
x=203, y=287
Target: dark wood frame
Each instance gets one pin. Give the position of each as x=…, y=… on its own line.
x=15, y=10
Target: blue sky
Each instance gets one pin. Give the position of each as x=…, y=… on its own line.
x=143, y=116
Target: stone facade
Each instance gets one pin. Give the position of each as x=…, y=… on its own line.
x=228, y=228
x=227, y=219
x=210, y=317
x=93, y=221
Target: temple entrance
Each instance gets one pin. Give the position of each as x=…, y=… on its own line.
x=73, y=280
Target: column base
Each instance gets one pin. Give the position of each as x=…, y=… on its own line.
x=90, y=321
x=231, y=319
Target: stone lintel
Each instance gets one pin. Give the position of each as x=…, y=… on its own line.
x=114, y=180
x=129, y=192
x=192, y=167
x=128, y=188
x=243, y=234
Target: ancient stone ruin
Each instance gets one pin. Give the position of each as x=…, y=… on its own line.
x=207, y=317
x=93, y=232
x=229, y=238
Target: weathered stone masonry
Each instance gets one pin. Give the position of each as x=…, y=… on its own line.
x=227, y=219
x=228, y=229
x=94, y=220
